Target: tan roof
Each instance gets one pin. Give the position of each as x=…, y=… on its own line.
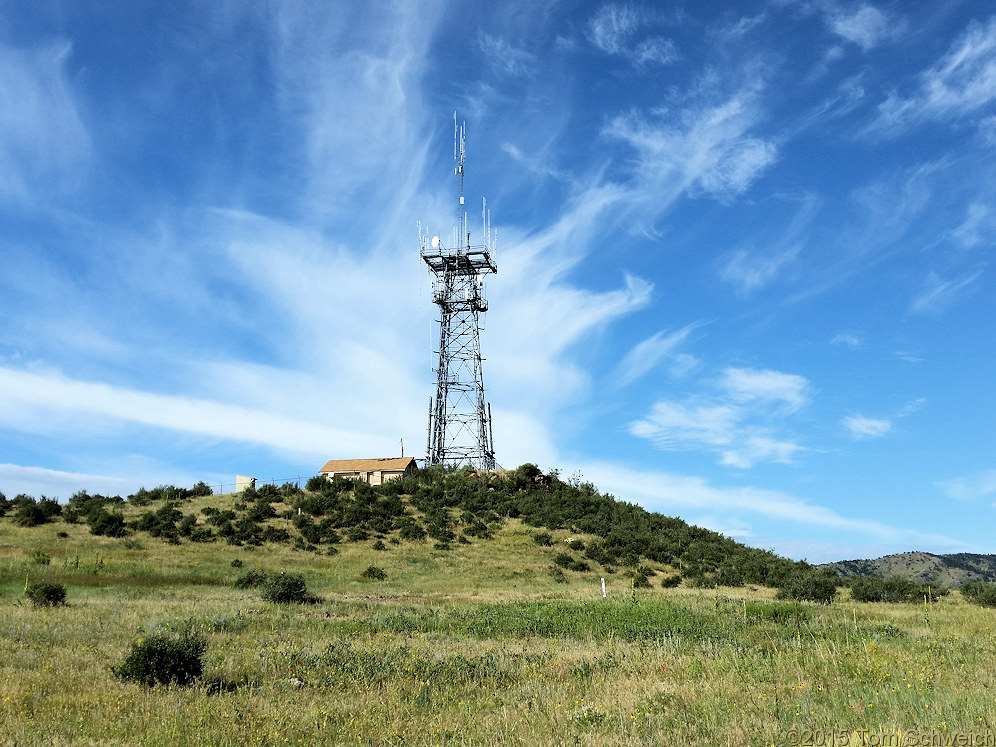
x=367, y=465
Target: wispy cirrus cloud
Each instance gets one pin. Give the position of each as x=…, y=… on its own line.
x=503, y=57
x=866, y=26
x=615, y=29
x=749, y=271
x=851, y=340
x=790, y=391
x=738, y=421
x=677, y=494
x=863, y=427
x=939, y=293
x=978, y=227
x=44, y=144
x=971, y=488
x=706, y=149
x=957, y=85
x=649, y=353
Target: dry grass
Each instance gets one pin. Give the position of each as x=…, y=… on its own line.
x=477, y=645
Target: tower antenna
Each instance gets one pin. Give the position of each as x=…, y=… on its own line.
x=459, y=417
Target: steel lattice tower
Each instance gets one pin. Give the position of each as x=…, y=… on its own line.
x=459, y=418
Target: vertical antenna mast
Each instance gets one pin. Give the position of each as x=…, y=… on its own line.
x=459, y=417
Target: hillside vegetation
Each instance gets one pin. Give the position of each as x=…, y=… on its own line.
x=450, y=608
x=950, y=571
x=443, y=507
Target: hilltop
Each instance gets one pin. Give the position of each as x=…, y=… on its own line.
x=591, y=532
x=950, y=571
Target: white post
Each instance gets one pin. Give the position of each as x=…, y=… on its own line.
x=603, y=589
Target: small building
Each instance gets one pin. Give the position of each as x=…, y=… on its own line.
x=242, y=483
x=371, y=471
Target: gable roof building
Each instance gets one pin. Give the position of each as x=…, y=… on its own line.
x=371, y=471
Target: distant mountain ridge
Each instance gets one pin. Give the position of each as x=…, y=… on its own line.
x=951, y=571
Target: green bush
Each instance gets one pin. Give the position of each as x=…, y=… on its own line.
x=557, y=575
x=543, y=539
x=892, y=589
x=28, y=513
x=409, y=529
x=38, y=557
x=45, y=594
x=640, y=581
x=570, y=562
x=106, y=523
x=286, y=588
x=810, y=586
x=251, y=580
x=374, y=573
x=670, y=582
x=979, y=592
x=164, y=659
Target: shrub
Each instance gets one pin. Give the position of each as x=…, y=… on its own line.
x=893, y=589
x=409, y=529
x=670, y=582
x=45, y=594
x=164, y=659
x=812, y=586
x=374, y=573
x=557, y=575
x=316, y=484
x=38, y=557
x=356, y=533
x=237, y=563
x=250, y=580
x=543, y=539
x=379, y=545
x=106, y=523
x=29, y=513
x=979, y=592
x=640, y=581
x=286, y=588
x=570, y=563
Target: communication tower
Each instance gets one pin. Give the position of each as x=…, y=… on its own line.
x=459, y=417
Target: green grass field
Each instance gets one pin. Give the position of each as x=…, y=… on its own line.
x=478, y=645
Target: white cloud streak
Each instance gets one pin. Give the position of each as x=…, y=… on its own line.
x=44, y=145
x=960, y=83
x=862, y=427
x=615, y=28
x=662, y=346
x=971, y=488
x=939, y=294
x=50, y=402
x=705, y=150
x=733, y=423
x=766, y=386
x=866, y=26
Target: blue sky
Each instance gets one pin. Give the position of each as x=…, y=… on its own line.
x=745, y=250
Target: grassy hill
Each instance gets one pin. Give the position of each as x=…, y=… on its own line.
x=501, y=637
x=592, y=532
x=950, y=571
